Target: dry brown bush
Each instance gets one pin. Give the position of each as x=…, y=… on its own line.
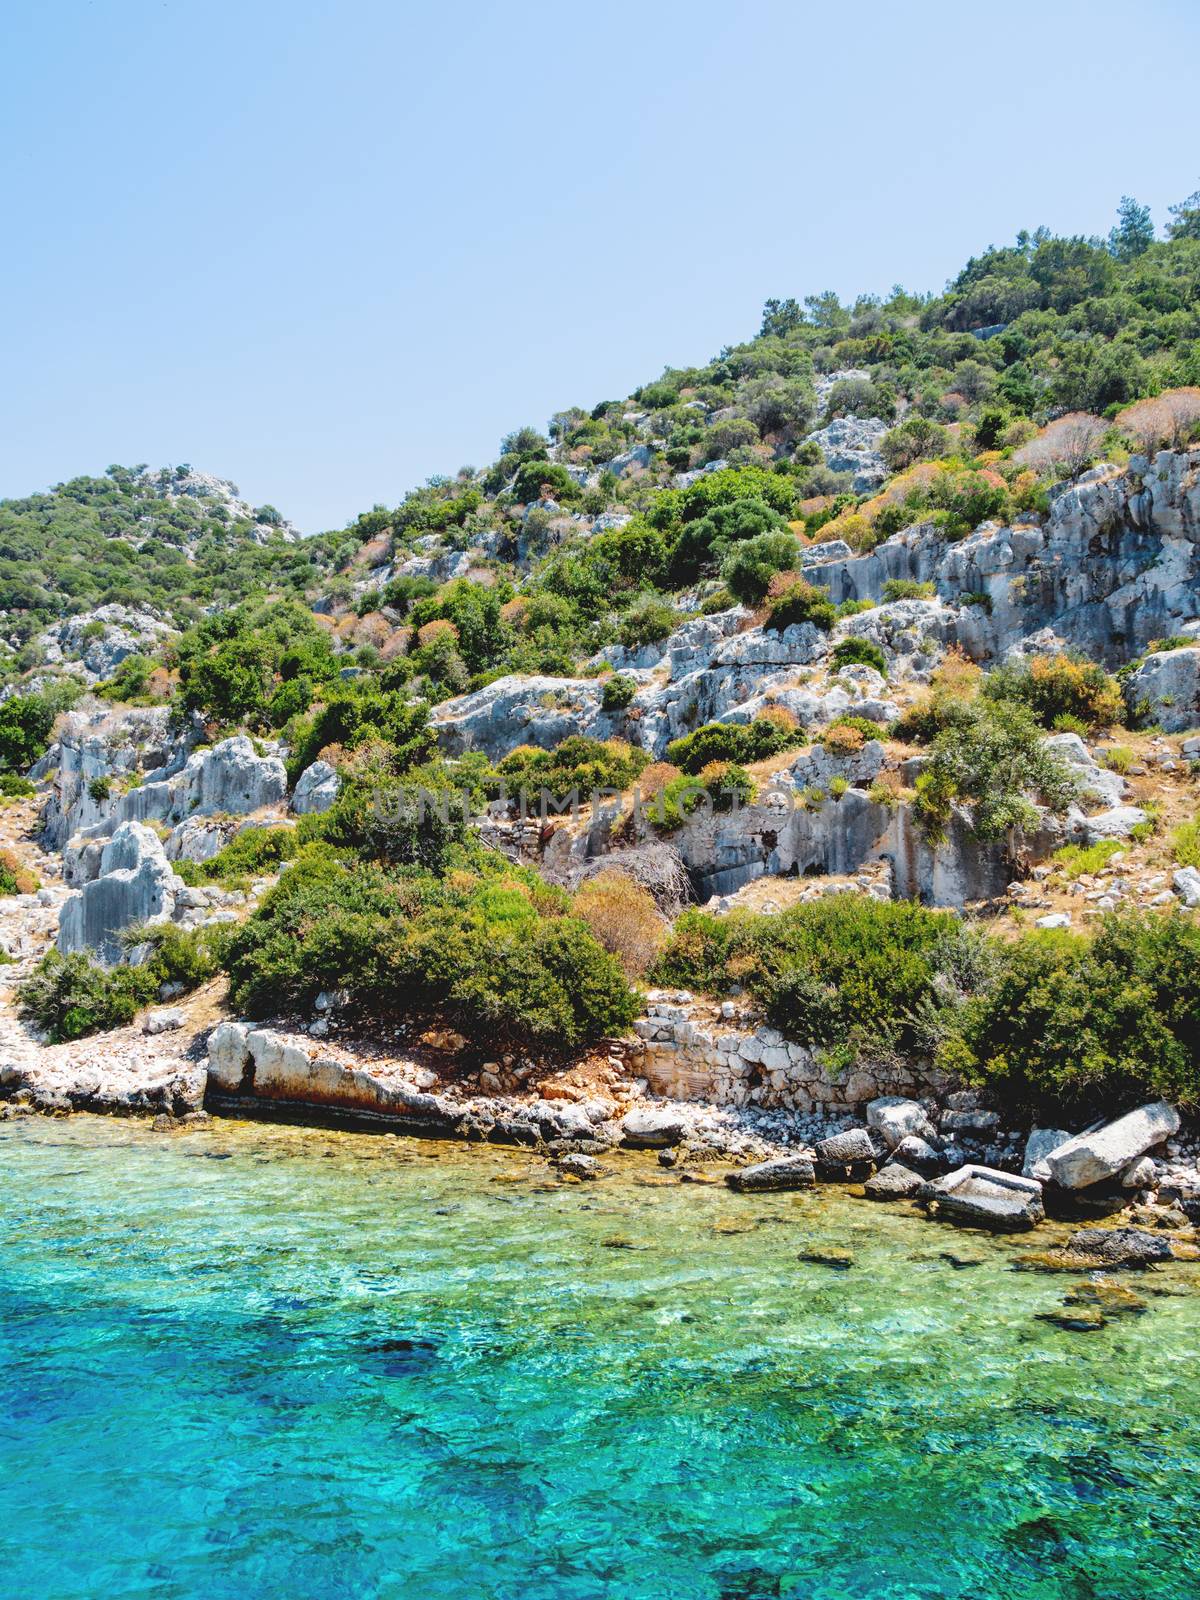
x=624, y=918
x=439, y=628
x=655, y=778
x=1164, y=422
x=1070, y=442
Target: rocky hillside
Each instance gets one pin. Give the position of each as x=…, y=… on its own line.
x=733, y=688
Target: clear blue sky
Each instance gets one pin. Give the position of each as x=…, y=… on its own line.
x=329, y=249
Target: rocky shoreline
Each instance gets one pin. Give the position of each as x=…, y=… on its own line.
x=1136, y=1180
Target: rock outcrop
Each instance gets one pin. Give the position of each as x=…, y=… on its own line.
x=1165, y=688
x=316, y=789
x=134, y=885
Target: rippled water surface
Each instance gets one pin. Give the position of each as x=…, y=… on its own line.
x=274, y=1362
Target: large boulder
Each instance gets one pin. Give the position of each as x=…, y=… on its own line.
x=135, y=885
x=847, y=1149
x=1038, y=1146
x=652, y=1128
x=896, y=1118
x=1166, y=688
x=316, y=789
x=1101, y=1155
x=1095, y=782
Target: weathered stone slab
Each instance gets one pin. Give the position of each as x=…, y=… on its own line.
x=1101, y=1155
x=983, y=1197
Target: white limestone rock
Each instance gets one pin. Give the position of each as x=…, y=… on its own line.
x=1102, y=1154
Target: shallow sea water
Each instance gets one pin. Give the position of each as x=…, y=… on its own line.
x=274, y=1362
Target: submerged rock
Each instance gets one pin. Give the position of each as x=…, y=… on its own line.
x=893, y=1182
x=785, y=1172
x=982, y=1197
x=1121, y=1247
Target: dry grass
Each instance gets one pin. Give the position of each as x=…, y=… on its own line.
x=623, y=916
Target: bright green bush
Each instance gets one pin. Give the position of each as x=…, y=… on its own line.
x=741, y=742
x=908, y=589
x=859, y=977
x=1096, y=1024
x=647, y=622
x=1185, y=843
x=14, y=787
x=252, y=853
x=865, y=652
x=26, y=722
x=800, y=601
x=1080, y=860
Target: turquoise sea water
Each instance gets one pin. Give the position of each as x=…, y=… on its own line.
x=275, y=1362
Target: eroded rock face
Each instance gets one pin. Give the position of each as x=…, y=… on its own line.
x=521, y=710
x=263, y=1070
x=1166, y=687
x=131, y=766
x=1116, y=565
x=1099, y=1156
x=135, y=884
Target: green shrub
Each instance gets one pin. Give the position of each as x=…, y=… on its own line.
x=1185, y=843
x=26, y=722
x=990, y=758
x=575, y=763
x=13, y=787
x=648, y=621
x=475, y=951
x=1095, y=1024
x=617, y=693
x=751, y=564
x=800, y=601
x=70, y=996
x=727, y=785
x=252, y=853
x=99, y=789
x=861, y=978
x=741, y=742
x=908, y=589
x=1054, y=687
x=864, y=652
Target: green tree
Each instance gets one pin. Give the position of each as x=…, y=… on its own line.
x=1134, y=230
